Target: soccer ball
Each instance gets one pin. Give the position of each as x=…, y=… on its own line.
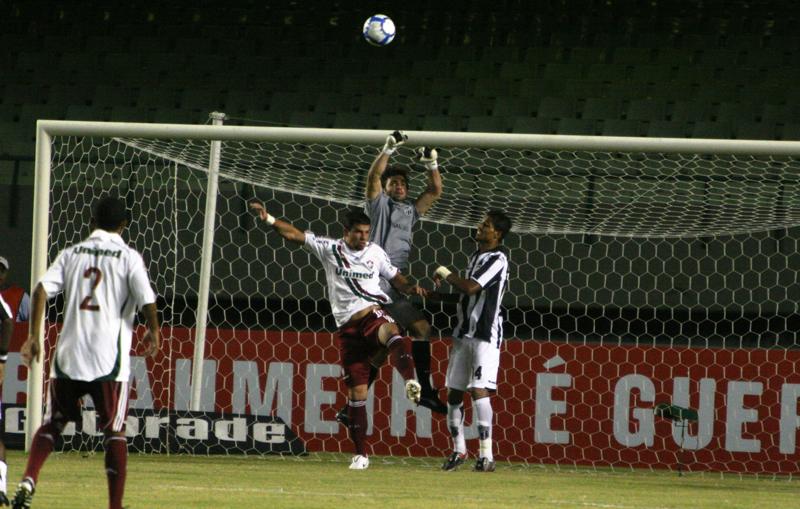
x=379, y=30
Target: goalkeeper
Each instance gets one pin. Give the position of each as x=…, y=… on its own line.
x=393, y=218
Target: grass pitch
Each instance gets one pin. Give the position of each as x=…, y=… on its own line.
x=324, y=481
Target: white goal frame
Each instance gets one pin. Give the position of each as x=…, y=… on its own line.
x=47, y=129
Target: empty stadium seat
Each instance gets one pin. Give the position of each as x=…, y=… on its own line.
x=576, y=126
x=442, y=123
x=555, y=107
x=532, y=125
x=619, y=127
x=646, y=109
x=600, y=108
x=487, y=124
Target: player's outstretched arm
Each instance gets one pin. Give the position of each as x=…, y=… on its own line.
x=373, y=187
x=284, y=229
x=404, y=286
x=152, y=339
x=429, y=157
x=465, y=286
x=30, y=349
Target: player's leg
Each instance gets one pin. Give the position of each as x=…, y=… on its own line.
x=375, y=364
x=111, y=401
x=357, y=416
x=421, y=351
x=399, y=348
x=413, y=320
x=486, y=362
x=355, y=355
x=457, y=379
x=62, y=405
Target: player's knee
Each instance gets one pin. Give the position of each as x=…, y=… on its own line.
x=387, y=330
x=455, y=397
x=359, y=392
x=421, y=329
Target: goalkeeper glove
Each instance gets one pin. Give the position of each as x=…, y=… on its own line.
x=428, y=156
x=393, y=141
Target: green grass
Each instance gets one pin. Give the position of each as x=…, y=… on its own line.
x=324, y=481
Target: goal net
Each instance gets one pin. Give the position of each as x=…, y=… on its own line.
x=643, y=273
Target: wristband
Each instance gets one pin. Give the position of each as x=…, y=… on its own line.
x=3, y=358
x=269, y=219
x=432, y=166
x=388, y=151
x=442, y=272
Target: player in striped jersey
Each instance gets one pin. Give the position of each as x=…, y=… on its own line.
x=104, y=282
x=474, y=357
x=353, y=269
x=7, y=321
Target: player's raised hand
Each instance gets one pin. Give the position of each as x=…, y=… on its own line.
x=30, y=350
x=429, y=157
x=259, y=209
x=393, y=141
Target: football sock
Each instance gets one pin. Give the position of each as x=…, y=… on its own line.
x=41, y=447
x=357, y=411
x=421, y=351
x=116, y=469
x=455, y=422
x=483, y=408
x=400, y=356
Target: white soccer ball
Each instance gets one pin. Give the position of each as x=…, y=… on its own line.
x=379, y=30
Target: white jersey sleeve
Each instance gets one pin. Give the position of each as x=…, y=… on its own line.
x=53, y=279
x=386, y=269
x=139, y=283
x=317, y=245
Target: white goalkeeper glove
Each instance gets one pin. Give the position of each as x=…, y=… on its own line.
x=428, y=156
x=393, y=141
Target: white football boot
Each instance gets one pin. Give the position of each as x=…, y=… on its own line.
x=359, y=462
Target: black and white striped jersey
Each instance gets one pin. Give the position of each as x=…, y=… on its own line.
x=479, y=315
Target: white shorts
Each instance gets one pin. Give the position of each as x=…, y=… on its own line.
x=473, y=364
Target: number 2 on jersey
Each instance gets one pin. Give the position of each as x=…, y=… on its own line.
x=98, y=276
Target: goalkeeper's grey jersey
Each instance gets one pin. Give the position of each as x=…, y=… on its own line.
x=391, y=229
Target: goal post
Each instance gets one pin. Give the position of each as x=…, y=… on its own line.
x=644, y=272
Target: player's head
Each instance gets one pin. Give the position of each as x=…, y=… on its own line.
x=493, y=228
x=356, y=229
x=110, y=214
x=395, y=182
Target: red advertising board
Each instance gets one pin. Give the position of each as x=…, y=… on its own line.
x=556, y=402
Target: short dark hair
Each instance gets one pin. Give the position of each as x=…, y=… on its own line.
x=354, y=217
x=110, y=212
x=394, y=171
x=500, y=221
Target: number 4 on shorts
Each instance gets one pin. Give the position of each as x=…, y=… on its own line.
x=477, y=374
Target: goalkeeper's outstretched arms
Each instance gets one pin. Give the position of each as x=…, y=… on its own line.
x=465, y=286
x=284, y=229
x=373, y=188
x=429, y=158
